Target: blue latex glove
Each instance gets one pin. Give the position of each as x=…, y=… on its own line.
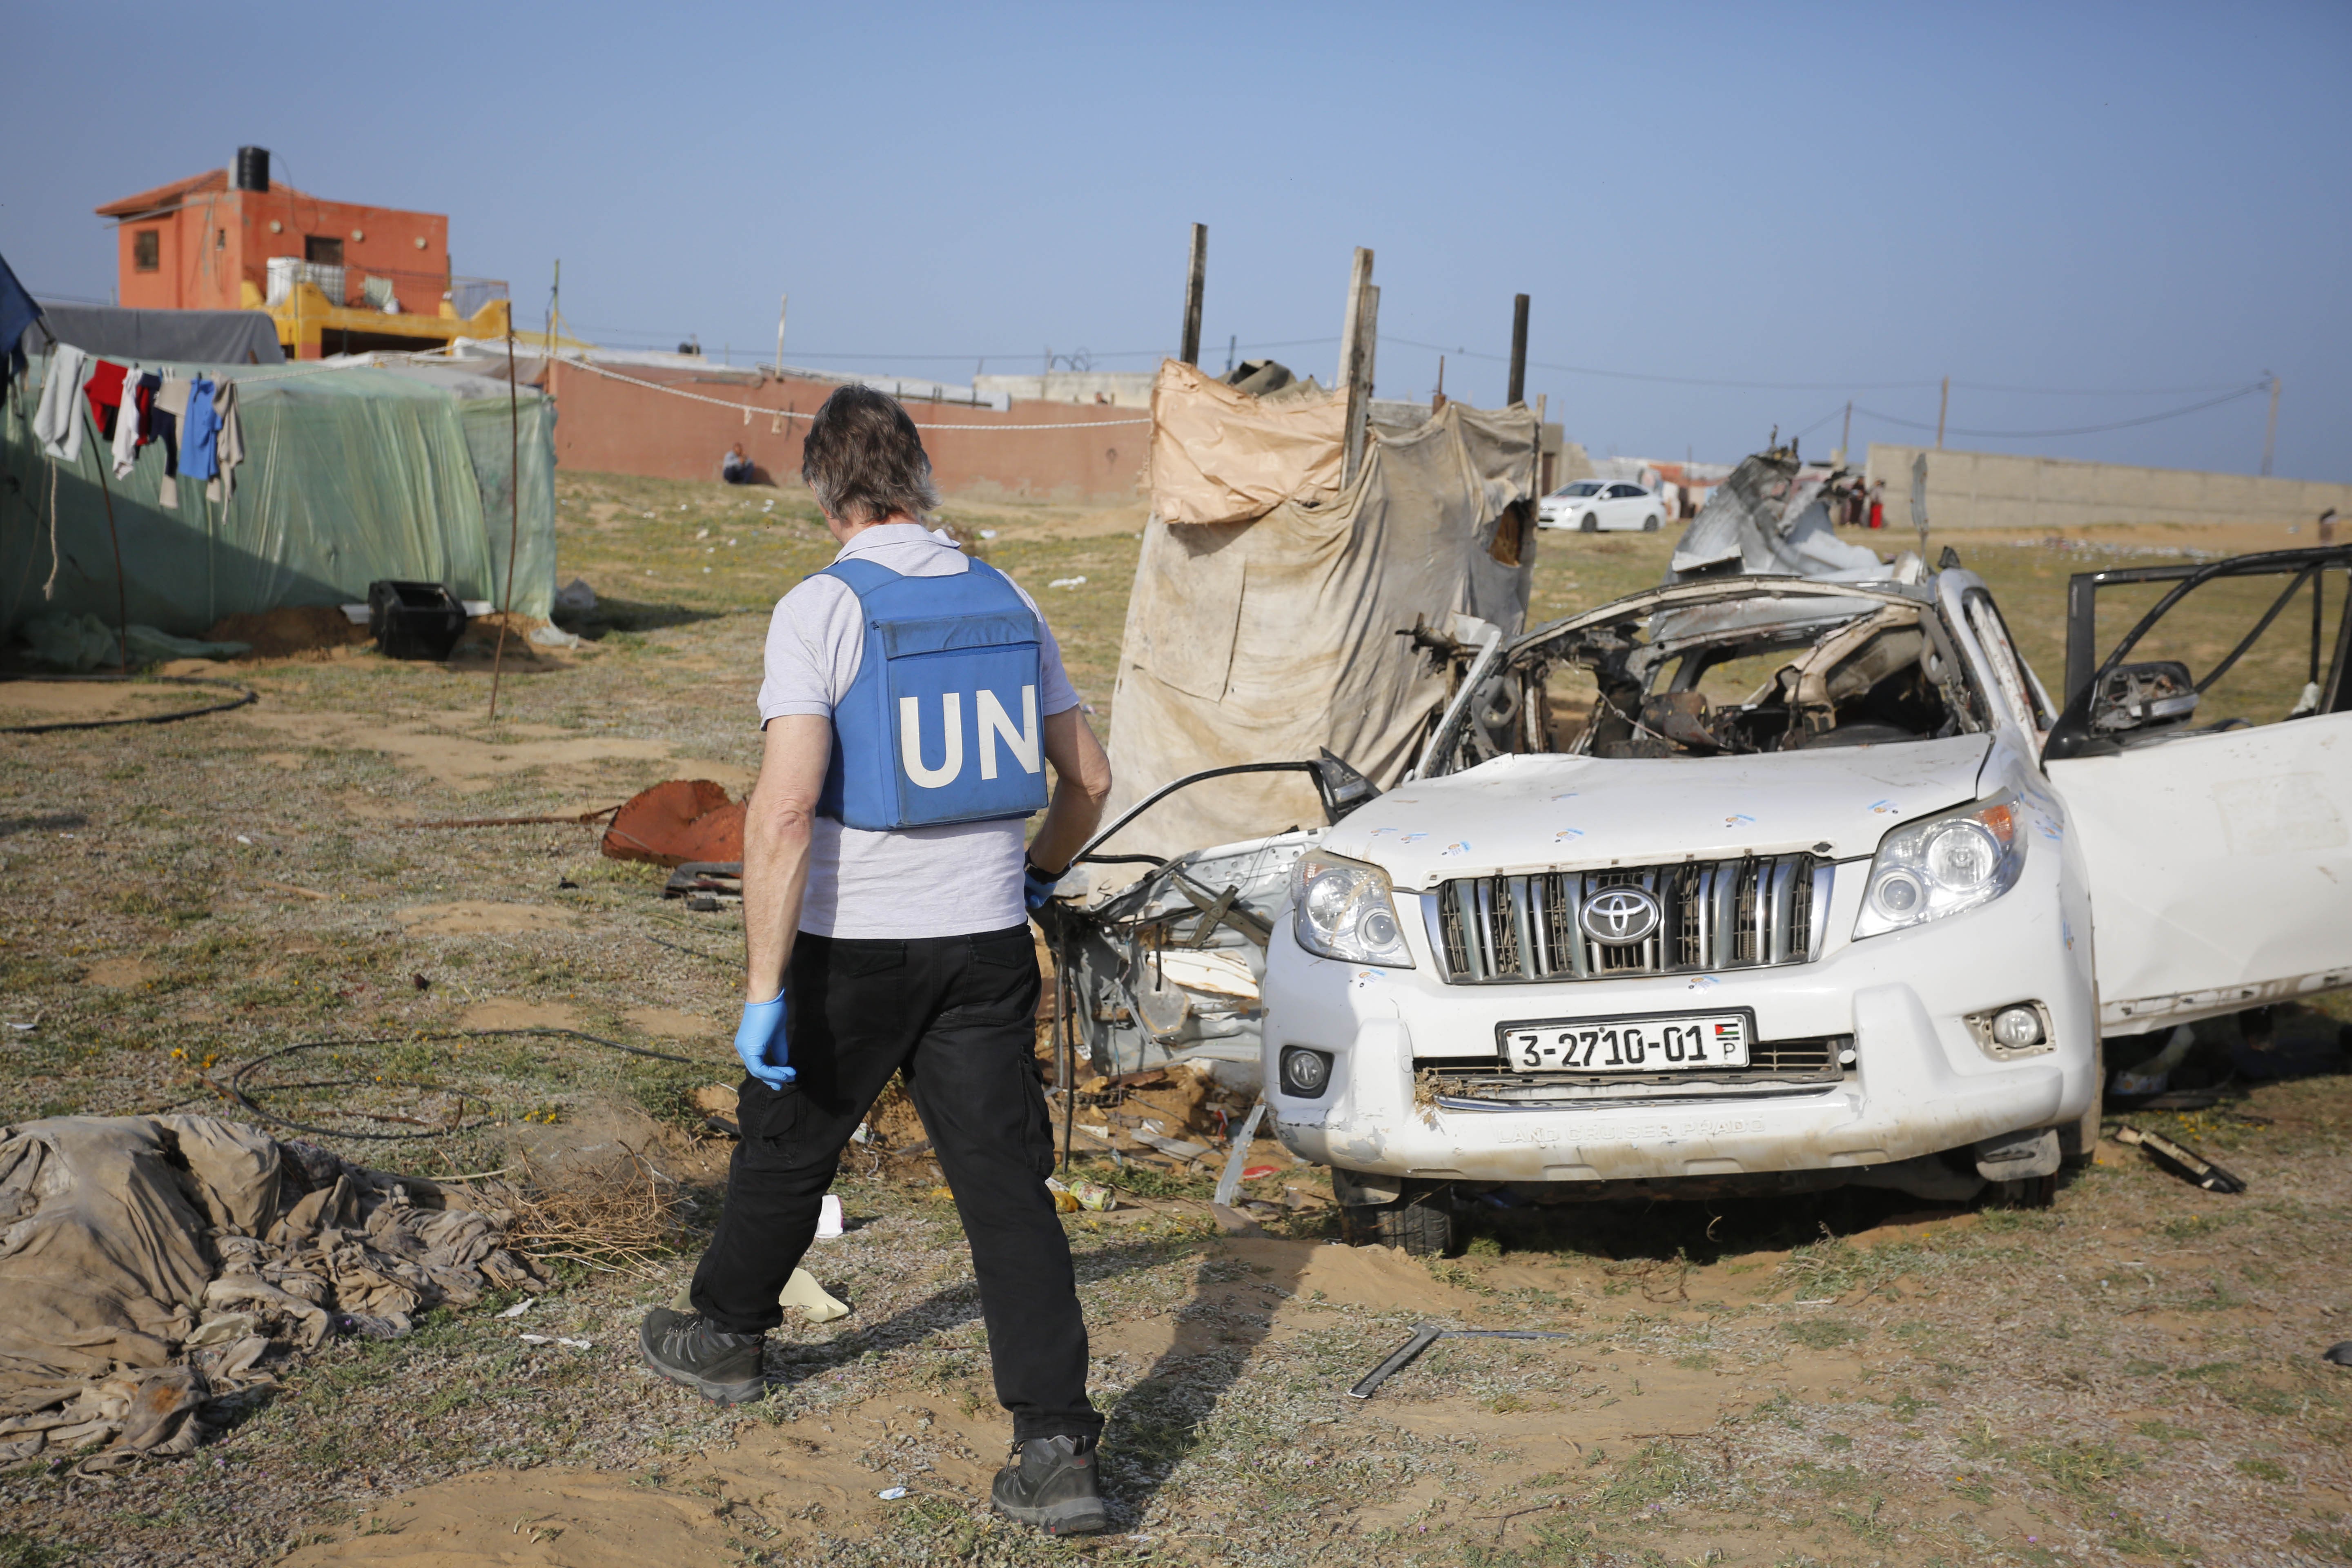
x=1037, y=885
x=760, y=1041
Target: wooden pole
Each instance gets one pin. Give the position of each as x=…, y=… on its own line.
x=514, y=506
x=121, y=594
x=2270, y=430
x=1543, y=457
x=1196, y=280
x=1519, y=389
x=1355, y=375
x=1942, y=407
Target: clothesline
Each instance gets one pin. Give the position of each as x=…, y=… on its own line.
x=748, y=409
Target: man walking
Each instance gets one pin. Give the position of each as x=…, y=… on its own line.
x=912, y=699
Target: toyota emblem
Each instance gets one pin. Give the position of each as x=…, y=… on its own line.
x=1616, y=917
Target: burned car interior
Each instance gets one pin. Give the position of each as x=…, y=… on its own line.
x=1701, y=670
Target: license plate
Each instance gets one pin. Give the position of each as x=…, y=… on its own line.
x=1676, y=1042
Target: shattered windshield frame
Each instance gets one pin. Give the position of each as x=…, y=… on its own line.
x=1646, y=654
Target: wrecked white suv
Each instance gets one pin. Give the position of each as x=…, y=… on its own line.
x=1756, y=884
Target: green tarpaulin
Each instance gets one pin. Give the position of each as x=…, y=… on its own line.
x=352, y=474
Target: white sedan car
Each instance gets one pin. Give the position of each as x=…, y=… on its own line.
x=1593, y=505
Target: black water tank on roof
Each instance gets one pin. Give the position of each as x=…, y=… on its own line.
x=253, y=168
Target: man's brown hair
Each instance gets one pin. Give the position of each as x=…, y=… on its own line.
x=863, y=459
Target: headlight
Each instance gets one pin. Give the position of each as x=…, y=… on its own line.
x=1341, y=909
x=1942, y=865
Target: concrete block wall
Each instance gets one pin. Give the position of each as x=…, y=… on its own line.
x=1998, y=489
x=1036, y=451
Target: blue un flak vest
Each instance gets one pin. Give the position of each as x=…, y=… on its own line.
x=940, y=722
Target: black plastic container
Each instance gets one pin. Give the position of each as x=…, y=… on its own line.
x=253, y=168
x=414, y=620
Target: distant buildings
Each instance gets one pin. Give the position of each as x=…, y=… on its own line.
x=336, y=277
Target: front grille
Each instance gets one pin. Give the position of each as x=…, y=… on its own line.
x=1746, y=913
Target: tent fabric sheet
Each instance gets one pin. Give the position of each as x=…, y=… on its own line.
x=1266, y=640
x=351, y=475
x=198, y=337
x=1220, y=455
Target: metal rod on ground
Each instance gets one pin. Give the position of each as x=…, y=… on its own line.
x=1351, y=366
x=1518, y=388
x=1196, y=279
x=1429, y=1334
x=514, y=501
x=1065, y=1024
x=1229, y=1185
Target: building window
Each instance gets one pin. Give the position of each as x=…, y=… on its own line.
x=327, y=250
x=147, y=249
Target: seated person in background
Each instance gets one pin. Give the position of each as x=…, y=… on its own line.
x=735, y=467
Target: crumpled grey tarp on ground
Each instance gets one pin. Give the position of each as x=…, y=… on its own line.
x=149, y=1263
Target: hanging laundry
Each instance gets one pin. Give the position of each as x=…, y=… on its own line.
x=164, y=423
x=134, y=427
x=229, y=446
x=199, y=430
x=57, y=423
x=104, y=390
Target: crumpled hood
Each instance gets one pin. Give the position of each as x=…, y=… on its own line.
x=1540, y=814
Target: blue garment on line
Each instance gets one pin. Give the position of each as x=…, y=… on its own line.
x=200, y=432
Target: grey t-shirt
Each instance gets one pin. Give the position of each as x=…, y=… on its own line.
x=919, y=881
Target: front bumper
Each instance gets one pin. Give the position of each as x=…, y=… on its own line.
x=1920, y=1083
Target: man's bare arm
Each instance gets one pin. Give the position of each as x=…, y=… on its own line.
x=776, y=829
x=1081, y=785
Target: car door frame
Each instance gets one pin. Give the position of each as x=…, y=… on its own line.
x=2213, y=952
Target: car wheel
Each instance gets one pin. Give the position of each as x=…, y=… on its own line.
x=1422, y=1225
x=2026, y=1192
x=1592, y=523
x=1650, y=523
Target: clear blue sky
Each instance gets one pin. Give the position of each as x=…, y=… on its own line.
x=2153, y=201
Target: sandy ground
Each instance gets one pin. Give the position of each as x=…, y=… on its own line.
x=2131, y=1376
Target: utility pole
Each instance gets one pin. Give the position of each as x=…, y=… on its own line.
x=2270, y=430
x=1232, y=342
x=1355, y=361
x=1845, y=440
x=1518, y=388
x=784, y=302
x=1942, y=408
x=1196, y=280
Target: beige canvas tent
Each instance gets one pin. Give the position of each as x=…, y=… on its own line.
x=1272, y=609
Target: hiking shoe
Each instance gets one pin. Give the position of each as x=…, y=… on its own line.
x=686, y=1349
x=1050, y=1483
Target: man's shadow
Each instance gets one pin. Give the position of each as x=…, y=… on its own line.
x=938, y=1313
x=1159, y=1421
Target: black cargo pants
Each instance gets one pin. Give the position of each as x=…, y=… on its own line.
x=957, y=1015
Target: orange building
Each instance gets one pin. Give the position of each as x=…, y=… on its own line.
x=338, y=277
